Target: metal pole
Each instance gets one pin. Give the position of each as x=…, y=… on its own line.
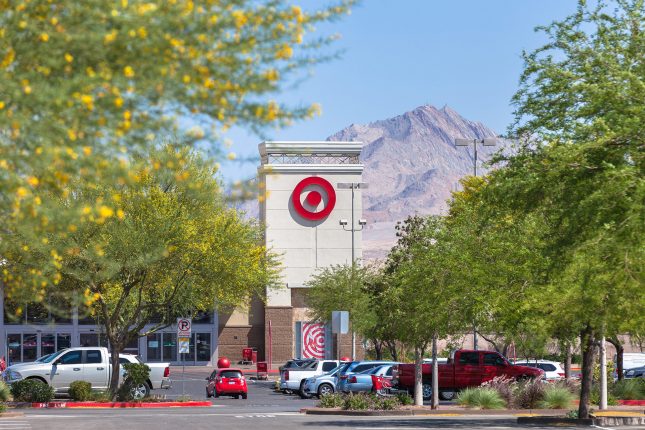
x=183, y=373
x=475, y=171
x=603, y=374
x=353, y=230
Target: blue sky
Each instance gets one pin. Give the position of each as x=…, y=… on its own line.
x=402, y=54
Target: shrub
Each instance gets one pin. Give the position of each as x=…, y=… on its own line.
x=80, y=391
x=386, y=403
x=32, y=390
x=529, y=394
x=332, y=400
x=5, y=392
x=556, y=398
x=481, y=397
x=504, y=386
x=357, y=402
x=135, y=375
x=594, y=398
x=630, y=389
x=101, y=396
x=404, y=399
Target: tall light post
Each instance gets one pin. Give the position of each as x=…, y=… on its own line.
x=489, y=141
x=361, y=222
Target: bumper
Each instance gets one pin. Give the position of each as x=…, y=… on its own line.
x=166, y=383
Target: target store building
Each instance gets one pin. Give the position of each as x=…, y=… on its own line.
x=302, y=208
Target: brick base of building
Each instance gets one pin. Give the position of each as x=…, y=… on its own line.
x=232, y=339
x=278, y=338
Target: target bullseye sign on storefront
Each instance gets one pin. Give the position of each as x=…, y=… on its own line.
x=311, y=188
x=313, y=340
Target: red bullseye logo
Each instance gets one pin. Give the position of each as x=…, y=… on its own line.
x=313, y=198
x=313, y=340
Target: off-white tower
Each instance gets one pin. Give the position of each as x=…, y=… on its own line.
x=301, y=206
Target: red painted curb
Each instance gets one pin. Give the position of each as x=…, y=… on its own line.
x=121, y=404
x=631, y=402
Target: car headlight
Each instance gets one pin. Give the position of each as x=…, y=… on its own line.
x=12, y=375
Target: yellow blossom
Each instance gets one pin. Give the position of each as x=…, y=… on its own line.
x=1, y=105
x=118, y=102
x=33, y=181
x=186, y=79
x=142, y=32
x=128, y=71
x=68, y=57
x=54, y=21
x=44, y=37
x=106, y=212
x=231, y=156
x=21, y=192
x=285, y=52
x=27, y=89
x=120, y=214
x=87, y=210
x=72, y=135
x=22, y=24
x=87, y=150
x=110, y=37
x=127, y=115
x=239, y=17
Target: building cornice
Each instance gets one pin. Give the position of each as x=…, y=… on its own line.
x=309, y=147
x=269, y=169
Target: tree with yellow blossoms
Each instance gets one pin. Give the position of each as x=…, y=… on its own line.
x=88, y=86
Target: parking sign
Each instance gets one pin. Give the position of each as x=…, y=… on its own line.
x=183, y=327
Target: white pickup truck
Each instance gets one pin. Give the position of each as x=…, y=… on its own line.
x=293, y=379
x=90, y=364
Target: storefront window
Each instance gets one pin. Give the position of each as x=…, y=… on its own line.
x=29, y=347
x=13, y=346
x=132, y=347
x=153, y=347
x=93, y=339
x=47, y=344
x=169, y=347
x=63, y=340
x=203, y=345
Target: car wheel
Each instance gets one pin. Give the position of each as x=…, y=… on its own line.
x=140, y=391
x=447, y=395
x=237, y=396
x=426, y=389
x=244, y=396
x=302, y=393
x=325, y=389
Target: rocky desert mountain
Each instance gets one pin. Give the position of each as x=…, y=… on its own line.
x=411, y=166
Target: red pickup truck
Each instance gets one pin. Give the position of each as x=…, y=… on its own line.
x=465, y=368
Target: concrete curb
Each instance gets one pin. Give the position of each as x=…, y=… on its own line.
x=11, y=415
x=436, y=412
x=599, y=421
x=116, y=405
x=631, y=402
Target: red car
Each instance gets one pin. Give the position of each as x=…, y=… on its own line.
x=226, y=382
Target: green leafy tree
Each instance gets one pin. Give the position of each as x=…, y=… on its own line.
x=345, y=288
x=580, y=171
x=87, y=86
x=173, y=248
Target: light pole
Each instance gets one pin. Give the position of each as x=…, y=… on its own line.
x=489, y=141
x=361, y=222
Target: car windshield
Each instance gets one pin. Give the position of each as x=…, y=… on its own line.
x=49, y=358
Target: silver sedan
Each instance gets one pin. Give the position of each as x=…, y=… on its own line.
x=363, y=381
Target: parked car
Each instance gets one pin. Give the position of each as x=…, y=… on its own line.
x=637, y=372
x=465, y=368
x=226, y=382
x=91, y=364
x=356, y=367
x=294, y=378
x=553, y=370
x=159, y=376
x=323, y=384
x=631, y=360
x=364, y=381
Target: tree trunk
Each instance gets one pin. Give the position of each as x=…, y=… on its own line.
x=587, y=346
x=418, y=376
x=620, y=349
x=115, y=367
x=378, y=349
x=567, y=361
x=391, y=346
x=435, y=375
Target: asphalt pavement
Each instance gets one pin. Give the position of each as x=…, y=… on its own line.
x=264, y=409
